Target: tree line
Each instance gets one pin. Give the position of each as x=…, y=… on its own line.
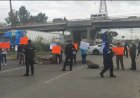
x=23, y=16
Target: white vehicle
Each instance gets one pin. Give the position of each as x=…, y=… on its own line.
x=96, y=49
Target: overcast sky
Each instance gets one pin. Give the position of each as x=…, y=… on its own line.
x=75, y=10
x=72, y=9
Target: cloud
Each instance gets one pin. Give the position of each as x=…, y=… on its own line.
x=72, y=9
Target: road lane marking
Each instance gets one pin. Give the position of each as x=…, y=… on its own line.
x=62, y=75
x=11, y=69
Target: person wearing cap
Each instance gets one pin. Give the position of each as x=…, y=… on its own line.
x=29, y=58
x=69, y=55
x=133, y=56
x=107, y=60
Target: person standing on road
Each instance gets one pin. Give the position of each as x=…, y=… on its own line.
x=119, y=56
x=4, y=55
x=29, y=57
x=138, y=48
x=133, y=56
x=107, y=60
x=75, y=52
x=69, y=55
x=126, y=48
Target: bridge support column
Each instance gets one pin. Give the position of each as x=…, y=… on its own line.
x=91, y=36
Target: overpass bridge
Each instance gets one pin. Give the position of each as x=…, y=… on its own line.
x=86, y=28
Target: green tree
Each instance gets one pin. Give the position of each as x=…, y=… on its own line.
x=12, y=17
x=41, y=18
x=23, y=15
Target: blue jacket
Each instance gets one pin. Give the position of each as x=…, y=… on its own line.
x=107, y=53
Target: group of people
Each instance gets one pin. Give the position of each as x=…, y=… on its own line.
x=3, y=57
x=108, y=54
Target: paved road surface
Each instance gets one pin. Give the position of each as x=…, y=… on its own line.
x=50, y=82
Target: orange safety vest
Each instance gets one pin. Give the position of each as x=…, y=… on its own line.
x=76, y=46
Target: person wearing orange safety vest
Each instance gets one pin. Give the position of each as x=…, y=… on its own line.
x=119, y=52
x=75, y=52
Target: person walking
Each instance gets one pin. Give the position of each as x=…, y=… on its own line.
x=119, y=56
x=107, y=60
x=133, y=56
x=69, y=55
x=4, y=57
x=29, y=57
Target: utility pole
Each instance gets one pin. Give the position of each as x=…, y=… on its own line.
x=103, y=7
x=11, y=13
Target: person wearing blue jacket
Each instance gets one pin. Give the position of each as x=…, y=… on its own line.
x=83, y=54
x=107, y=60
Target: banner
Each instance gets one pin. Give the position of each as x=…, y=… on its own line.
x=24, y=40
x=118, y=50
x=84, y=45
x=56, y=50
x=5, y=45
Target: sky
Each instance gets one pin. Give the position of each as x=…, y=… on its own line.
x=73, y=9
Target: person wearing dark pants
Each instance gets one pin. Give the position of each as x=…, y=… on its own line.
x=69, y=55
x=29, y=58
x=83, y=55
x=133, y=56
x=119, y=58
x=69, y=59
x=138, y=49
x=74, y=57
x=107, y=61
x=126, y=47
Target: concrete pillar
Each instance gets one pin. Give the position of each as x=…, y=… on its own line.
x=88, y=36
x=71, y=34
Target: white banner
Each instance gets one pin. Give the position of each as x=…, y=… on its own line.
x=84, y=45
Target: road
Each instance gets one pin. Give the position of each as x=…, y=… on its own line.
x=50, y=82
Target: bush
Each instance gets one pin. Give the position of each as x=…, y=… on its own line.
x=41, y=44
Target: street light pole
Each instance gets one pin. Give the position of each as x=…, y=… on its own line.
x=11, y=13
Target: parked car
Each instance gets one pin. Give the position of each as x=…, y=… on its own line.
x=97, y=49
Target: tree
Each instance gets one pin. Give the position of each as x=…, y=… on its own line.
x=41, y=18
x=23, y=15
x=13, y=18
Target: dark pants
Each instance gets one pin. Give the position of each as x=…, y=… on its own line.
x=126, y=52
x=119, y=58
x=58, y=58
x=29, y=63
x=68, y=60
x=4, y=58
x=133, y=65
x=84, y=58
x=138, y=52
x=108, y=64
x=74, y=58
